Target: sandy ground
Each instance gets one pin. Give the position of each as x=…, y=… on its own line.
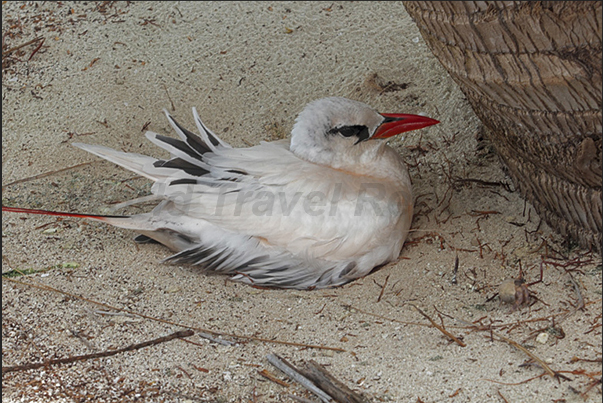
x=103, y=75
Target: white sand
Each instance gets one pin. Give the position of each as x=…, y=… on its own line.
x=105, y=73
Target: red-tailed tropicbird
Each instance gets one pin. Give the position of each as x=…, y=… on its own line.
x=320, y=209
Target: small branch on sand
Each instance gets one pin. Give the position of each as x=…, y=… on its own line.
x=315, y=378
x=182, y=333
x=440, y=328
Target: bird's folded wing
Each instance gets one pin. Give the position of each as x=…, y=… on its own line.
x=267, y=192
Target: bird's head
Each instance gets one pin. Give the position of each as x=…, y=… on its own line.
x=331, y=129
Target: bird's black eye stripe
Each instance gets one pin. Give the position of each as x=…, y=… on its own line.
x=352, y=131
x=388, y=119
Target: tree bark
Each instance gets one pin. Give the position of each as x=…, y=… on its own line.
x=532, y=73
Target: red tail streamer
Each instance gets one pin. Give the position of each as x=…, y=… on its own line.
x=55, y=213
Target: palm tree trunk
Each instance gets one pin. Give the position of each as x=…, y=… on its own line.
x=532, y=73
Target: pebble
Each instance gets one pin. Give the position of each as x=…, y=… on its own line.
x=542, y=338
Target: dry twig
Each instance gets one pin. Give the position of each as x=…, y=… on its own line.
x=293, y=374
x=327, y=382
x=455, y=269
x=317, y=380
x=268, y=375
x=502, y=397
x=216, y=340
x=67, y=360
x=440, y=328
x=383, y=288
x=590, y=386
x=518, y=346
x=169, y=98
x=45, y=174
x=11, y=50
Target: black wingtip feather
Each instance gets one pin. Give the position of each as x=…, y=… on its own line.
x=215, y=142
x=180, y=164
x=184, y=181
x=194, y=141
x=179, y=145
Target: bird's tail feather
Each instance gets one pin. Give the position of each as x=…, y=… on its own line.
x=132, y=161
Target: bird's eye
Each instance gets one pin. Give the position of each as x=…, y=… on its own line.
x=348, y=131
x=352, y=131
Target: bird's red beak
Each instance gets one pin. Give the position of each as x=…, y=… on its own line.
x=396, y=123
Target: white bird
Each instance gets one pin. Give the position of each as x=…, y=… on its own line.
x=320, y=209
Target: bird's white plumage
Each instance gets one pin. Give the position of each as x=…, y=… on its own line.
x=317, y=210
